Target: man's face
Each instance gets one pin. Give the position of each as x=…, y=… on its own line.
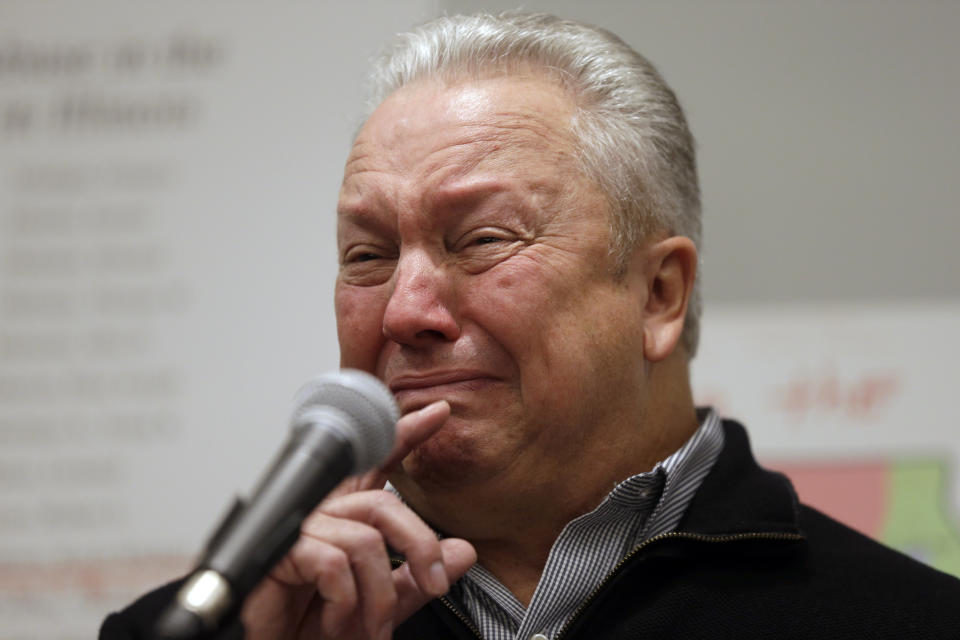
x=475, y=268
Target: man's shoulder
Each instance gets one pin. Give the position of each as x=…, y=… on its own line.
x=845, y=556
x=838, y=558
x=136, y=621
x=832, y=580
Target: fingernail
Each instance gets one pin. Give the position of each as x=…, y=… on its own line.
x=386, y=631
x=433, y=406
x=438, y=579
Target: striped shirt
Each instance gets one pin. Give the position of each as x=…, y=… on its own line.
x=590, y=546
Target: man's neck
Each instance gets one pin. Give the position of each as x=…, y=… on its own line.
x=513, y=527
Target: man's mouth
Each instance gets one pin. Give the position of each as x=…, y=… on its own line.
x=415, y=391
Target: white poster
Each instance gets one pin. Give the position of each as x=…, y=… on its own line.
x=168, y=177
x=853, y=402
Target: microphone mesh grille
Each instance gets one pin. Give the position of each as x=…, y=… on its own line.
x=368, y=403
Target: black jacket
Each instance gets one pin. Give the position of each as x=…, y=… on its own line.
x=746, y=561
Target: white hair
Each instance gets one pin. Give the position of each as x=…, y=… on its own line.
x=632, y=137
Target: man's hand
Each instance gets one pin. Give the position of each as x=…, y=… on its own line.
x=337, y=581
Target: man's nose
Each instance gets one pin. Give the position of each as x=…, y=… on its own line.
x=418, y=312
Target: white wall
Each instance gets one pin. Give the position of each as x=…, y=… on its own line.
x=827, y=138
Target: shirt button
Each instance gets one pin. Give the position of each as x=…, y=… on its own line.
x=539, y=636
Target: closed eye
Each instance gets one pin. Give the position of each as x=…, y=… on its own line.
x=363, y=253
x=482, y=237
x=367, y=266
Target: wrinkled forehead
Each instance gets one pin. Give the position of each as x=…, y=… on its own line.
x=465, y=124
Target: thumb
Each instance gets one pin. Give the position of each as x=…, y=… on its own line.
x=412, y=429
x=458, y=556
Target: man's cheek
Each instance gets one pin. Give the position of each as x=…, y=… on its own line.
x=358, y=331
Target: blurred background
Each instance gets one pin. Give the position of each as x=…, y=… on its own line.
x=168, y=177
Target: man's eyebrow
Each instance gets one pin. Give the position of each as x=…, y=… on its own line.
x=358, y=155
x=358, y=218
x=464, y=193
x=360, y=206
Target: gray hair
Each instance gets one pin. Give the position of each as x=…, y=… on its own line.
x=632, y=136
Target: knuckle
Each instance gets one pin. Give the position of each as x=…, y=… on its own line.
x=364, y=539
x=426, y=549
x=314, y=523
x=334, y=562
x=384, y=500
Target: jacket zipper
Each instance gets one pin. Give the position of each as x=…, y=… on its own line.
x=464, y=619
x=699, y=537
x=664, y=536
x=396, y=562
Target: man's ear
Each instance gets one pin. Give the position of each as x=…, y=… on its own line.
x=670, y=271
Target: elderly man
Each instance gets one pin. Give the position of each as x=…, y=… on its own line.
x=518, y=229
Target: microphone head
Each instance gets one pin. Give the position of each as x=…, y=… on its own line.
x=368, y=404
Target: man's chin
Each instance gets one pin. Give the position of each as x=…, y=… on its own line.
x=452, y=459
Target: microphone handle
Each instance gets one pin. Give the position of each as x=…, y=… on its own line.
x=257, y=533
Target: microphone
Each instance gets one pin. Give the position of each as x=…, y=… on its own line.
x=343, y=423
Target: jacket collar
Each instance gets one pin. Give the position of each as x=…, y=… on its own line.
x=739, y=496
